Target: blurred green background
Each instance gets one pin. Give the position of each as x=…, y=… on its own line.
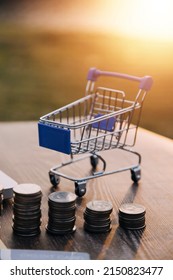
x=42, y=69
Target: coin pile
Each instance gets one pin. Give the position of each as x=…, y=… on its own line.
x=132, y=216
x=97, y=216
x=1, y=188
x=27, y=209
x=61, y=213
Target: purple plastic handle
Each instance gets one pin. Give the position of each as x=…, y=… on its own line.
x=145, y=82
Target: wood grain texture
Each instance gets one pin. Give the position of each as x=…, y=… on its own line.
x=22, y=159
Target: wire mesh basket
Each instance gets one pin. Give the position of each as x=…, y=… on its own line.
x=99, y=121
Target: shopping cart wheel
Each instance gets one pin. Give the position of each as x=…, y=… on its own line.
x=80, y=188
x=136, y=174
x=54, y=179
x=94, y=161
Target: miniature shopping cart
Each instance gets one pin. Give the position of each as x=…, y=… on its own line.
x=101, y=120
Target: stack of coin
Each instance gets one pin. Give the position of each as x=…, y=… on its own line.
x=132, y=216
x=97, y=216
x=27, y=209
x=1, y=188
x=61, y=213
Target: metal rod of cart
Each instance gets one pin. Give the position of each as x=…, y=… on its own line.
x=101, y=120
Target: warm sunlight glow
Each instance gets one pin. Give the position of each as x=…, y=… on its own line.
x=144, y=18
x=140, y=18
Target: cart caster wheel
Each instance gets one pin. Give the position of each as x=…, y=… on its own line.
x=94, y=161
x=54, y=179
x=80, y=188
x=136, y=174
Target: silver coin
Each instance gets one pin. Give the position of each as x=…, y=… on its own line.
x=62, y=197
x=132, y=209
x=99, y=206
x=27, y=189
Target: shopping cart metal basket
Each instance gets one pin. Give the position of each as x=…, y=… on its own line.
x=99, y=121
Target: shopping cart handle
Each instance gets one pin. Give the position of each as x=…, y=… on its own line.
x=145, y=82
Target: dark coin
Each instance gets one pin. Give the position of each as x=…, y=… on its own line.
x=25, y=200
x=29, y=216
x=60, y=232
x=97, y=222
x=60, y=215
x=25, y=213
x=26, y=233
x=134, y=223
x=62, y=228
x=131, y=219
x=132, y=227
x=132, y=216
x=25, y=223
x=61, y=212
x=61, y=207
x=27, y=227
x=97, y=216
x=62, y=221
x=66, y=209
x=26, y=209
x=97, y=229
x=27, y=193
x=24, y=228
x=98, y=226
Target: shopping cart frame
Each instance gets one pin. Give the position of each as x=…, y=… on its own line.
x=97, y=131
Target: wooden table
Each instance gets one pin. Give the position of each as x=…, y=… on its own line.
x=22, y=159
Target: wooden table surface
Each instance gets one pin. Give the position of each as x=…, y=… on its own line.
x=22, y=159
